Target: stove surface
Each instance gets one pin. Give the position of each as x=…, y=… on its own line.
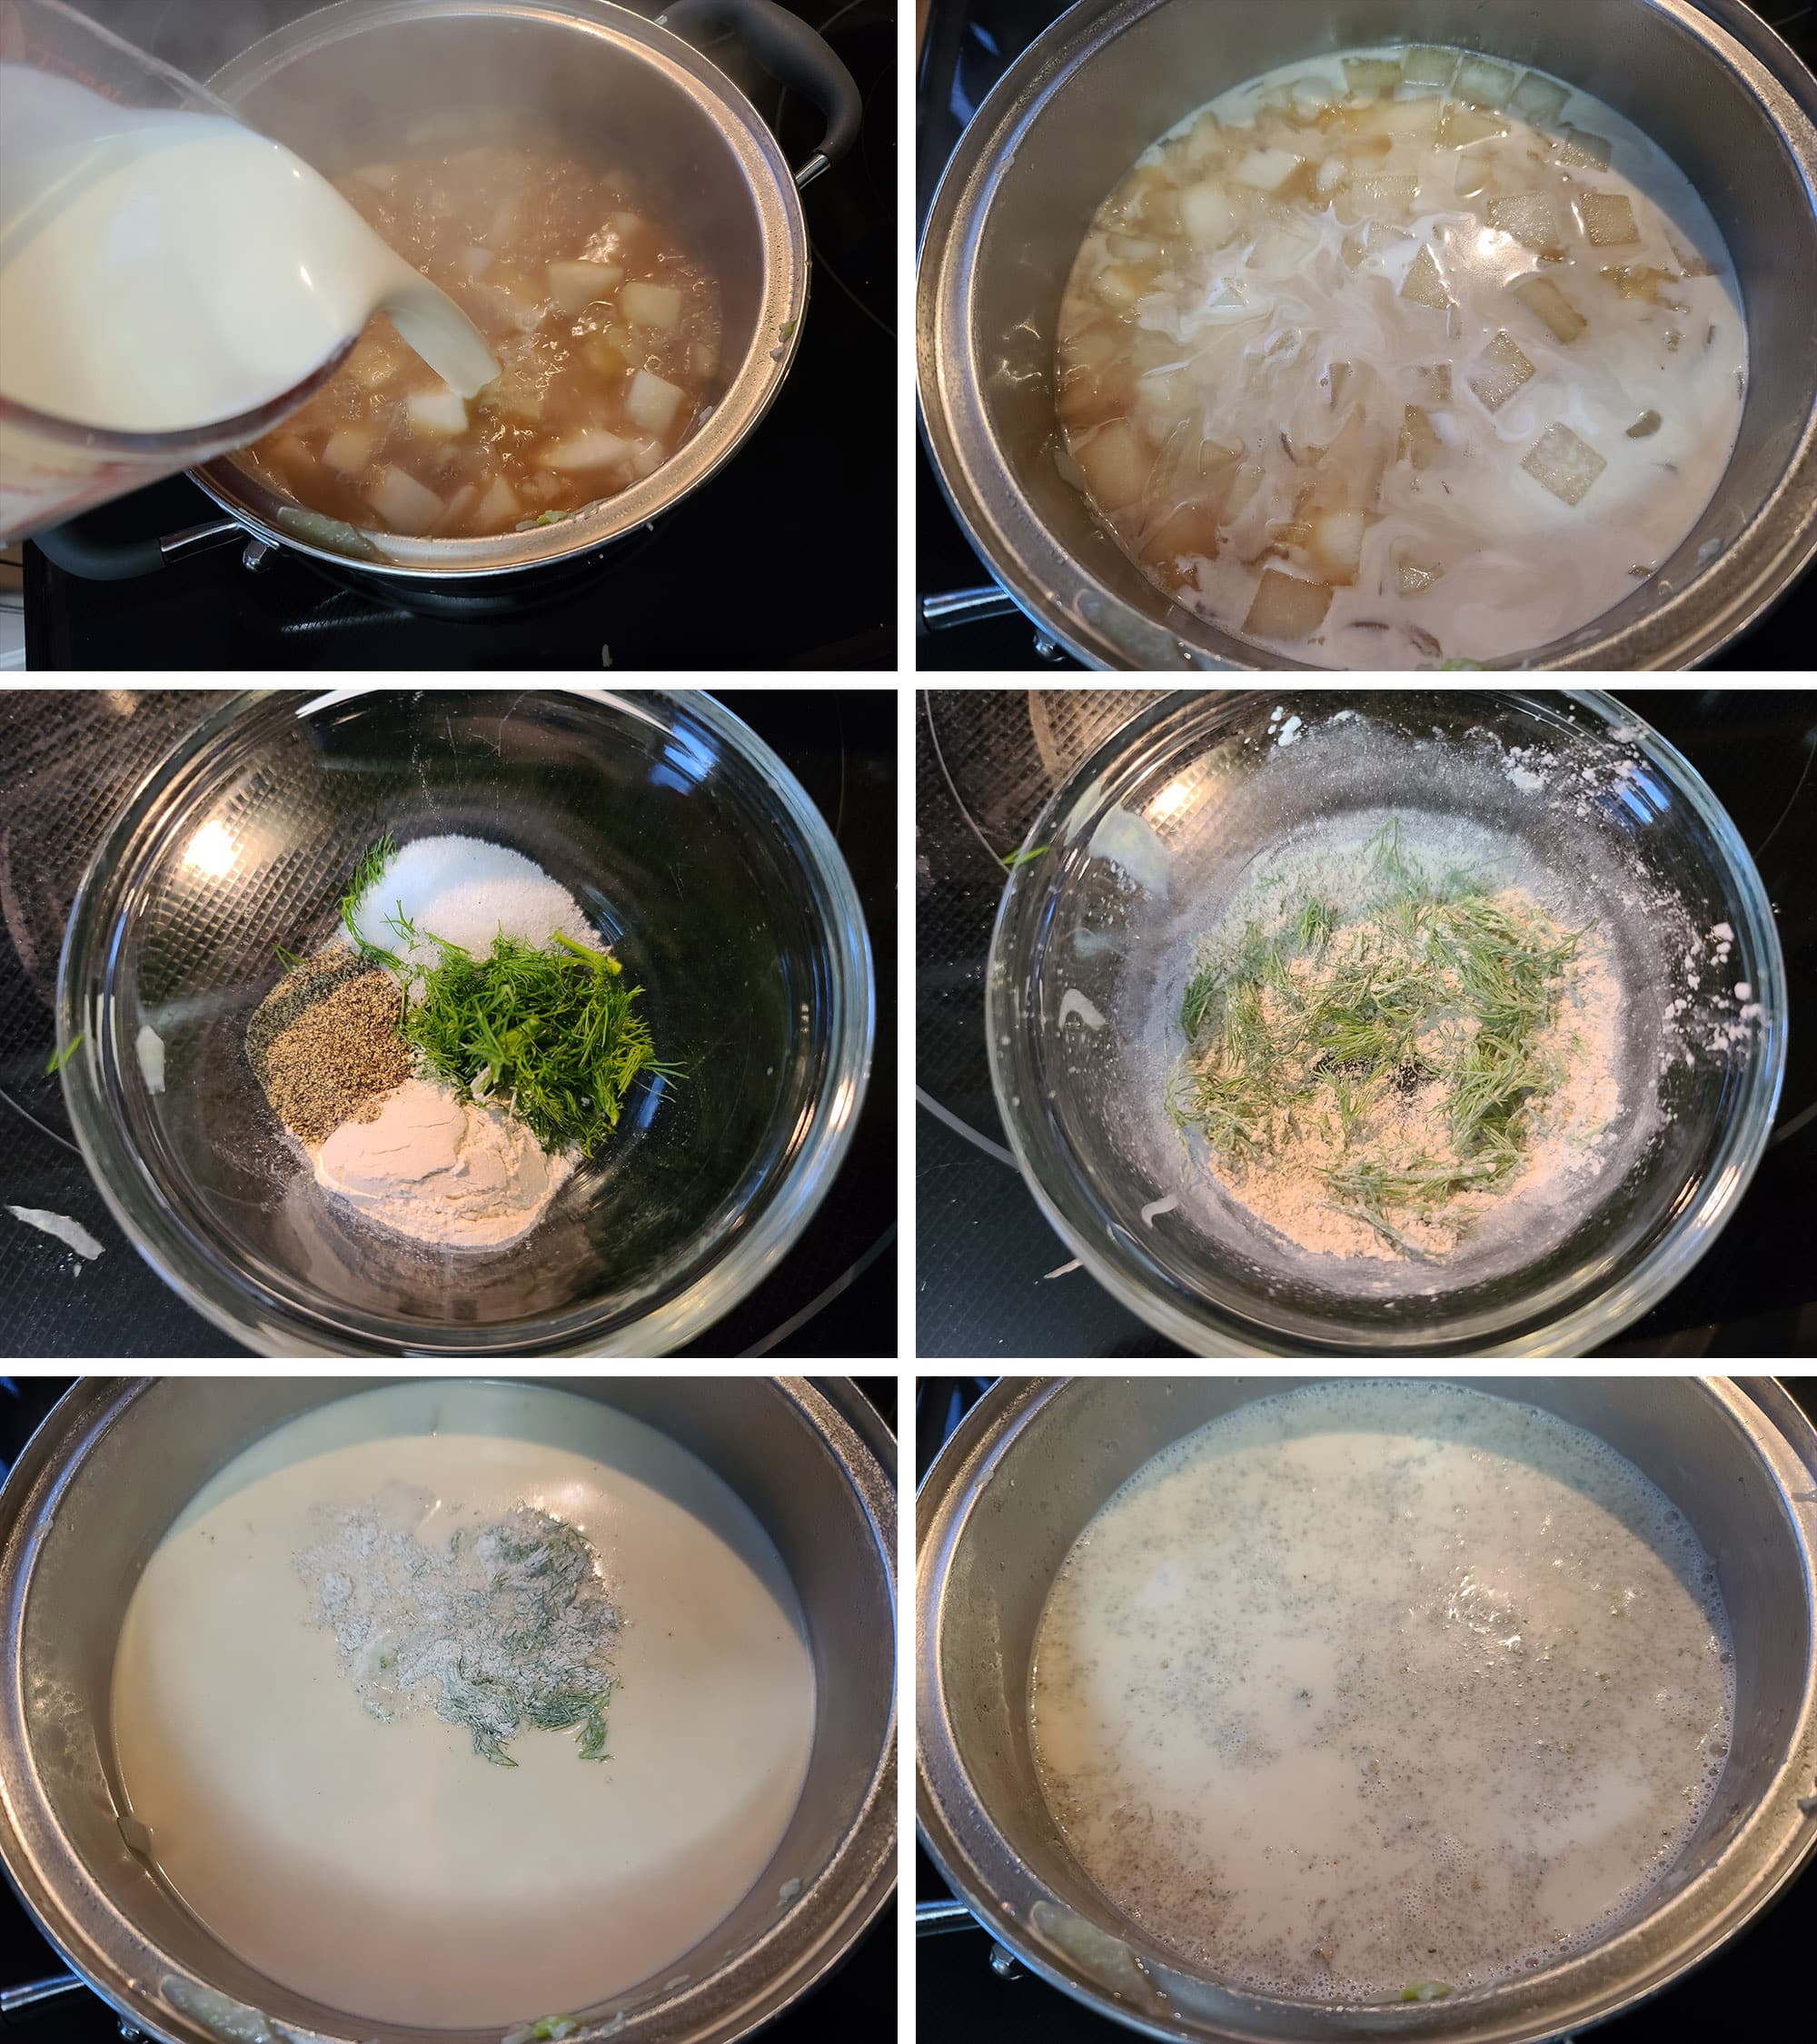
x=968, y=47
x=995, y=1280
x=790, y=587
x=67, y=760
x=1745, y=1992
x=859, y=2000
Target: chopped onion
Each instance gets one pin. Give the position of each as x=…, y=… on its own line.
x=652, y=304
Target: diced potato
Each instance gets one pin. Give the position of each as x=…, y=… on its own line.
x=1393, y=120
x=1585, y=152
x=1095, y=397
x=1423, y=285
x=1353, y=252
x=1532, y=219
x=1646, y=426
x=476, y=261
x=592, y=448
x=1332, y=175
x=1133, y=248
x=1393, y=193
x=1338, y=380
x=499, y=506
x=1638, y=282
x=1118, y=462
x=349, y=450
x=1370, y=75
x=1499, y=371
x=1286, y=607
x=603, y=358
x=1204, y=143
x=652, y=402
x=461, y=503
x=380, y=176
x=647, y=455
x=1337, y=544
x=1244, y=485
x=1547, y=301
x=1435, y=383
x=653, y=305
x=1191, y=531
x=1460, y=125
x=440, y=411
x=1268, y=169
x=372, y=364
x=1208, y=216
x=576, y=285
x=1564, y=464
x=1428, y=64
x=1484, y=82
x=1119, y=285
x=1290, y=532
x=1608, y=219
x=1310, y=97
x=515, y=394
x=1474, y=176
x=405, y=505
x=1419, y=441
x=1539, y=99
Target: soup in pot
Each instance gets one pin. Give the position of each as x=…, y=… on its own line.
x=605, y=323
x=1403, y=359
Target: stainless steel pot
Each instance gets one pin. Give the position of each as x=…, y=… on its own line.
x=1708, y=81
x=115, y=1462
x=345, y=84
x=1034, y=1460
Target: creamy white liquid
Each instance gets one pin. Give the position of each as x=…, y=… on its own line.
x=1369, y=1686
x=384, y=1867
x=1285, y=339
x=162, y=271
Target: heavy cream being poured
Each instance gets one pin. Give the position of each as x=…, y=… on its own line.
x=1403, y=357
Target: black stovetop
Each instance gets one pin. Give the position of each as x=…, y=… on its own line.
x=968, y=47
x=1748, y=1991
x=856, y=2003
x=749, y=571
x=994, y=1281
x=67, y=760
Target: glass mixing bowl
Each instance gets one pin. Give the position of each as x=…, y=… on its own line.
x=1148, y=845
x=694, y=852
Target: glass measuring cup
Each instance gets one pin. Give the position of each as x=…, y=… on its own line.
x=172, y=285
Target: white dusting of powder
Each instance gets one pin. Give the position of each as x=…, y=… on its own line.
x=443, y=1169
x=468, y=892
x=1073, y=1002
x=1290, y=730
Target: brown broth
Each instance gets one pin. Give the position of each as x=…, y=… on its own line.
x=602, y=377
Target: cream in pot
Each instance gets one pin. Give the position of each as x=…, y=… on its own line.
x=385, y=1866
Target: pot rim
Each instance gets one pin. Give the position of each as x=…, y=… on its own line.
x=945, y=1799
x=275, y=1326
x=1584, y=1322
x=834, y=1911
x=776, y=333
x=1724, y=598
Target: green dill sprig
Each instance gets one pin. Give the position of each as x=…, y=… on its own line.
x=366, y=875
x=553, y=1034
x=59, y=1058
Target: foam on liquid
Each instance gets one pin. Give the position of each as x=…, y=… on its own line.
x=163, y=271
x=382, y=1867
x=1367, y=1686
x=1278, y=332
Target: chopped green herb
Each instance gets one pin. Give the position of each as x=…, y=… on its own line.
x=59, y=1058
x=1426, y=1990
x=1022, y=858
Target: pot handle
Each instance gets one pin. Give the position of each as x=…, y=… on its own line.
x=123, y=561
x=789, y=51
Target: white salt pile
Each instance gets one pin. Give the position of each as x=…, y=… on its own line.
x=466, y=891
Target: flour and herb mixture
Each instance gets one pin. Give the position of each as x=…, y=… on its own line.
x=506, y=1625
x=1381, y=1691
x=451, y=1063
x=1382, y=1040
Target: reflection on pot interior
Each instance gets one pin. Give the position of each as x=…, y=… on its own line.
x=605, y=324
x=1399, y=359
x=1381, y=1691
x=463, y=1705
